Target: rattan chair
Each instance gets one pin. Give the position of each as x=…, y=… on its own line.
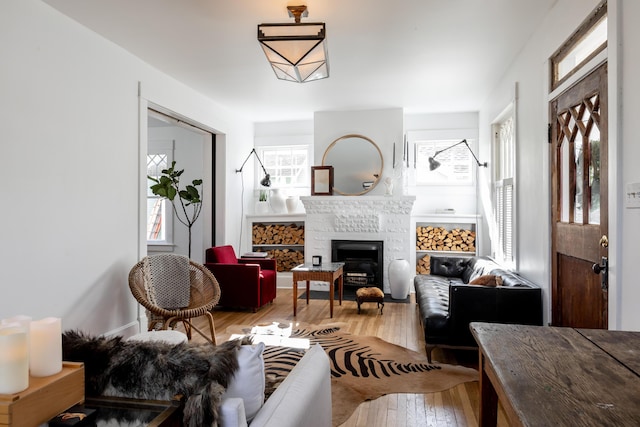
x=204, y=295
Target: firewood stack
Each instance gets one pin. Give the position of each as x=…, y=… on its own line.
x=286, y=258
x=280, y=234
x=430, y=238
x=423, y=266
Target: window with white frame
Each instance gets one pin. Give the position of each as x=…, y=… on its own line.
x=504, y=144
x=159, y=225
x=288, y=165
x=456, y=163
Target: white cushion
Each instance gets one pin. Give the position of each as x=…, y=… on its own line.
x=232, y=413
x=303, y=398
x=249, y=380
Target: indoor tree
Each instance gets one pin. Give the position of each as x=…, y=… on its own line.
x=167, y=186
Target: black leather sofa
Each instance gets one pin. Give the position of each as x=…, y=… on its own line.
x=448, y=303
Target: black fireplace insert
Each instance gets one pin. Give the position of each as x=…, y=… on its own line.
x=363, y=261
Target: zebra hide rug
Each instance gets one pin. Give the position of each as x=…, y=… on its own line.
x=365, y=368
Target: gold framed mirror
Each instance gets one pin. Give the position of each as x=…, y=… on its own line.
x=357, y=164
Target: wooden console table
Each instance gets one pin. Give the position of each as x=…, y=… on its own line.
x=324, y=273
x=550, y=376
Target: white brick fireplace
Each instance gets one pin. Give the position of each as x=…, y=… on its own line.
x=386, y=218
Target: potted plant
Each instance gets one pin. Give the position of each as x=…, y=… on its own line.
x=262, y=206
x=167, y=186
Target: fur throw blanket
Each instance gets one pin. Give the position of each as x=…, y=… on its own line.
x=157, y=371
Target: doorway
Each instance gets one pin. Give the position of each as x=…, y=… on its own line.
x=192, y=148
x=579, y=215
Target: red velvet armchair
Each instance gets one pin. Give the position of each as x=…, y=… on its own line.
x=244, y=282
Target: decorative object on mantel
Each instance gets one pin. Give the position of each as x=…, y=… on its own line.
x=357, y=163
x=399, y=278
x=297, y=52
x=277, y=201
x=292, y=204
x=321, y=180
x=434, y=164
x=388, y=182
x=262, y=205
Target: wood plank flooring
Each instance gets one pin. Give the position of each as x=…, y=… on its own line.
x=398, y=324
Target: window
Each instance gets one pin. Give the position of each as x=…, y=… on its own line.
x=456, y=164
x=504, y=186
x=589, y=40
x=159, y=229
x=288, y=165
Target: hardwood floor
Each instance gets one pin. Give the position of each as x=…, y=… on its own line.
x=399, y=325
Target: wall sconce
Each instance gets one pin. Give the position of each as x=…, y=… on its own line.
x=434, y=164
x=266, y=181
x=297, y=52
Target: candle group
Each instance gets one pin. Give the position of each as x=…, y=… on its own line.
x=28, y=347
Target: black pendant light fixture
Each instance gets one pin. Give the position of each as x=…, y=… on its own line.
x=297, y=51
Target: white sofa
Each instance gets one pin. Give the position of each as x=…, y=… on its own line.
x=303, y=398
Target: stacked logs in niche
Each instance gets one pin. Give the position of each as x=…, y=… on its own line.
x=423, y=266
x=430, y=238
x=278, y=234
x=286, y=258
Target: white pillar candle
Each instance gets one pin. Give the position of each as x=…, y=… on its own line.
x=22, y=320
x=45, y=352
x=14, y=359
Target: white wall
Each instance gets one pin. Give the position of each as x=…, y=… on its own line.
x=384, y=127
x=627, y=237
x=530, y=73
x=71, y=158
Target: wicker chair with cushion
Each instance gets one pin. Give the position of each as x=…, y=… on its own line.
x=245, y=282
x=174, y=289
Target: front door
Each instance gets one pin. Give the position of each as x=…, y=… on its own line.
x=578, y=167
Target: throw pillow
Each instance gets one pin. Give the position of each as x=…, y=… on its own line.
x=249, y=380
x=487, y=280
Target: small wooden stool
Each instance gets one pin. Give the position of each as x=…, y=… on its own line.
x=370, y=295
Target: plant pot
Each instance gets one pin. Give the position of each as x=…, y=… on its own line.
x=262, y=208
x=399, y=278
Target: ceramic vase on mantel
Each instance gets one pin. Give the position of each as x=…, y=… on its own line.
x=277, y=200
x=292, y=204
x=399, y=278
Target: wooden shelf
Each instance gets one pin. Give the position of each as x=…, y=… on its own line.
x=45, y=398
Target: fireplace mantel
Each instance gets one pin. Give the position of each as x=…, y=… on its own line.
x=386, y=218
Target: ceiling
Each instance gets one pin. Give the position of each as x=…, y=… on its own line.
x=425, y=56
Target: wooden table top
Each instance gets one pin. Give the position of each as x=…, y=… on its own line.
x=550, y=376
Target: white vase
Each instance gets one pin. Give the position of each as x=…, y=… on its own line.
x=292, y=204
x=399, y=278
x=277, y=200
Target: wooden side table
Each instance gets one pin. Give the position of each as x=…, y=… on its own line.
x=329, y=272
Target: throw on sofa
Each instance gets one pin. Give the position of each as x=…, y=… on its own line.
x=448, y=303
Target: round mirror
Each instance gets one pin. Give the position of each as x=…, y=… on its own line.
x=357, y=164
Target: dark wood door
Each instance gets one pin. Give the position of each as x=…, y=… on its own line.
x=578, y=165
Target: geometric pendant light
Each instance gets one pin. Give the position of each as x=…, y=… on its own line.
x=297, y=52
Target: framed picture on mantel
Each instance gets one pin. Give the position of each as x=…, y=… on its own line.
x=321, y=180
